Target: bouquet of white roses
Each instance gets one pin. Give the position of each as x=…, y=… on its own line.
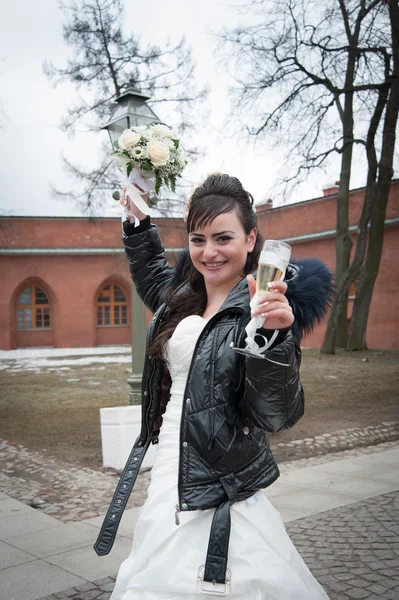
x=149, y=156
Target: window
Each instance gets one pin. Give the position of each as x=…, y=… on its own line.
x=111, y=306
x=33, y=309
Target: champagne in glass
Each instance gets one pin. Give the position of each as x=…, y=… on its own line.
x=273, y=263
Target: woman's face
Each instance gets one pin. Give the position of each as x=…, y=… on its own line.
x=219, y=250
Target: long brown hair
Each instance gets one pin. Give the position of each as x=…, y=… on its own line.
x=218, y=194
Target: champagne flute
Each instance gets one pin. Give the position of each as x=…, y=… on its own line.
x=273, y=262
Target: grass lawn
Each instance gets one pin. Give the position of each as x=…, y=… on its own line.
x=58, y=411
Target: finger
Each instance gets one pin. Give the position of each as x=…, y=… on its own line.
x=271, y=296
x=280, y=286
x=279, y=319
x=123, y=200
x=270, y=306
x=251, y=286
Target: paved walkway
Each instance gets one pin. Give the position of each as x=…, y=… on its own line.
x=342, y=512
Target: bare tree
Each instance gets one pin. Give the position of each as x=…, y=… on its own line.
x=104, y=62
x=379, y=182
x=318, y=76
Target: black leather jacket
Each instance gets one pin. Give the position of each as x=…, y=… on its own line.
x=232, y=399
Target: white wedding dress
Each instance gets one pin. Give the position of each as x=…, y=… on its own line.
x=165, y=557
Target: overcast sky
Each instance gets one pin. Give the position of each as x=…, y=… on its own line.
x=32, y=143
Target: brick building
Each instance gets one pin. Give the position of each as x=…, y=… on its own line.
x=65, y=281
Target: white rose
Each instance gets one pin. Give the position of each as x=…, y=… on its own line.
x=162, y=130
x=158, y=153
x=128, y=139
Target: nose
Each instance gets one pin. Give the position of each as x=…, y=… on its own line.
x=209, y=250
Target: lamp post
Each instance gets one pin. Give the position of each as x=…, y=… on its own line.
x=132, y=110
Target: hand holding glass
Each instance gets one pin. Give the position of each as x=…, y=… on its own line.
x=273, y=262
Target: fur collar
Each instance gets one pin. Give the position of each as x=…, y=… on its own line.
x=310, y=290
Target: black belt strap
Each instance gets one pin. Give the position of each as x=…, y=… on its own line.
x=110, y=525
x=218, y=546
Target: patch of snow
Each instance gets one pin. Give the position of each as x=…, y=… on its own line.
x=22, y=353
x=29, y=364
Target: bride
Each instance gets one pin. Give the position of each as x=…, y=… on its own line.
x=207, y=527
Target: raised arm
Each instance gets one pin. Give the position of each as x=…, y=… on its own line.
x=150, y=271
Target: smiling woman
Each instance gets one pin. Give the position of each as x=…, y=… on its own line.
x=210, y=409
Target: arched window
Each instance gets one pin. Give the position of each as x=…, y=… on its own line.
x=111, y=306
x=33, y=309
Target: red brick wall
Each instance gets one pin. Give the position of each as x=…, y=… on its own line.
x=64, y=232
x=317, y=215
x=73, y=281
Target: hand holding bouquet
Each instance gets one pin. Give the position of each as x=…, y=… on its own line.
x=149, y=156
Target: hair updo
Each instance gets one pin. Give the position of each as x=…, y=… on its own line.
x=218, y=194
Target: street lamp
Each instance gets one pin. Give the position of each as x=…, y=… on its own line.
x=132, y=110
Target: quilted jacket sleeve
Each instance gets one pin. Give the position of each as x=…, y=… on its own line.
x=150, y=271
x=273, y=398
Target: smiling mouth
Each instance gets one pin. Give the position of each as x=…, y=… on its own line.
x=214, y=265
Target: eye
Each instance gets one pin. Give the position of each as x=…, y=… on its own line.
x=195, y=240
x=224, y=238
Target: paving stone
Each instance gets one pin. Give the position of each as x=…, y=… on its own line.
x=357, y=593
x=343, y=576
x=376, y=588
x=108, y=587
x=86, y=587
x=392, y=594
x=67, y=593
x=93, y=594
x=359, y=583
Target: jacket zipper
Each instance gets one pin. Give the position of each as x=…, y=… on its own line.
x=178, y=506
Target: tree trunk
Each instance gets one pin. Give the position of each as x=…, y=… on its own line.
x=361, y=309
x=337, y=320
x=336, y=332
x=368, y=274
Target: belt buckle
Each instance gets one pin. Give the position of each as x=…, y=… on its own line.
x=212, y=588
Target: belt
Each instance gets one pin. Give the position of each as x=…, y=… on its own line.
x=215, y=571
x=110, y=525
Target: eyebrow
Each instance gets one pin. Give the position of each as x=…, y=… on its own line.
x=213, y=235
